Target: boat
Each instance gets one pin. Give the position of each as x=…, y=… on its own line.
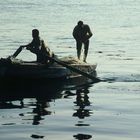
x=32, y=79
x=18, y=69
x=17, y=72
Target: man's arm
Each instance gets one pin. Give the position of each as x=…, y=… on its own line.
x=89, y=32
x=17, y=51
x=76, y=34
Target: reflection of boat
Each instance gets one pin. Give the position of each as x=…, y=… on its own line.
x=30, y=90
x=38, y=109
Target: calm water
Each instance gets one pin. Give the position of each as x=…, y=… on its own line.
x=104, y=111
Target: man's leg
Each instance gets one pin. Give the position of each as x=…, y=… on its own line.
x=86, y=46
x=79, y=46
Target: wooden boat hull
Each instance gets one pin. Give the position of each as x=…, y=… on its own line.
x=33, y=70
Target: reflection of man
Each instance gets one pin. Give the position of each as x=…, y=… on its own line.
x=40, y=110
x=82, y=137
x=82, y=33
x=82, y=100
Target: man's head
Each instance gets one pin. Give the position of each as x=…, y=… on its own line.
x=35, y=33
x=80, y=23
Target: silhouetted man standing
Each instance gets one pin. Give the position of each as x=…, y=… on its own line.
x=82, y=33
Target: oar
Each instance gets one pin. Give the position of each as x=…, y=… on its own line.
x=75, y=69
x=17, y=51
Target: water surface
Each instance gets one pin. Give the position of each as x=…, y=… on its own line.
x=104, y=111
